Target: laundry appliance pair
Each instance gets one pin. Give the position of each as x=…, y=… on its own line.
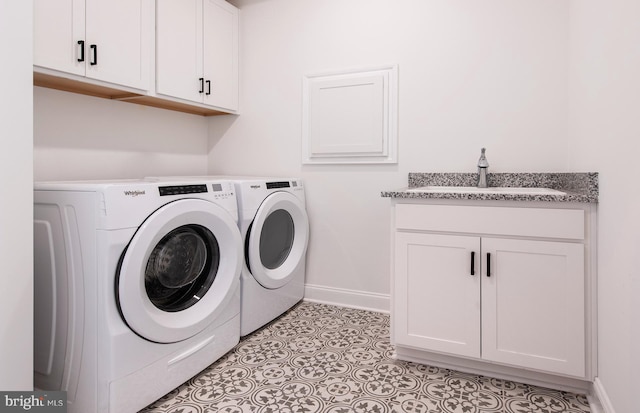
x=138, y=282
x=274, y=227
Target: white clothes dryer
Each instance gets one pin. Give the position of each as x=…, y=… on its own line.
x=137, y=287
x=275, y=230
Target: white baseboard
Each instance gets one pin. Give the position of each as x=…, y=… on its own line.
x=490, y=369
x=599, y=400
x=347, y=298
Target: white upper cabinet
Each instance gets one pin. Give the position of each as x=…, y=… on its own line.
x=221, y=53
x=197, y=52
x=109, y=41
x=58, y=28
x=175, y=54
x=179, y=49
x=121, y=31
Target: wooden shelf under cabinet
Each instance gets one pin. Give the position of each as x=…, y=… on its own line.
x=89, y=89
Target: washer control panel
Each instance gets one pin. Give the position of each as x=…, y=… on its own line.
x=182, y=189
x=216, y=190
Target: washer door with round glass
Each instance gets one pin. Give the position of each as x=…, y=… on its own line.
x=277, y=239
x=180, y=270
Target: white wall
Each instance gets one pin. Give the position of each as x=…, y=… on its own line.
x=16, y=205
x=471, y=74
x=604, y=135
x=83, y=137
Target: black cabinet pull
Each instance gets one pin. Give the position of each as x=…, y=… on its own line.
x=473, y=263
x=488, y=265
x=81, y=43
x=94, y=49
x=201, y=80
x=208, y=87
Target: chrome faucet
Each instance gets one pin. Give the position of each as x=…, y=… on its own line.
x=483, y=167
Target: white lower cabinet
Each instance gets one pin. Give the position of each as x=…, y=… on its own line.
x=436, y=300
x=533, y=304
x=481, y=288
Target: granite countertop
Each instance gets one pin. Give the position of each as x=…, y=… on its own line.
x=578, y=187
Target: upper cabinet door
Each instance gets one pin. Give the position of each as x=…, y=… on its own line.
x=58, y=26
x=119, y=41
x=179, y=37
x=221, y=54
x=197, y=51
x=109, y=41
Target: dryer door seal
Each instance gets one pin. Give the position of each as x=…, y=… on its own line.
x=278, y=238
x=146, y=308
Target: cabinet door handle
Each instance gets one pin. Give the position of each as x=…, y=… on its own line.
x=488, y=264
x=81, y=43
x=473, y=263
x=94, y=49
x=208, y=87
x=201, y=80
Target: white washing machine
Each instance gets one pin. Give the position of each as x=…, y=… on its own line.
x=137, y=287
x=275, y=231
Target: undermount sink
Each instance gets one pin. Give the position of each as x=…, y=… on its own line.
x=490, y=190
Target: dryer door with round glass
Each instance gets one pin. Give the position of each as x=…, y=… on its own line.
x=179, y=271
x=277, y=240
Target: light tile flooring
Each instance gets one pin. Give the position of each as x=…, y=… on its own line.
x=321, y=358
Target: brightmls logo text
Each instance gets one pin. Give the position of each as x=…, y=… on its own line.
x=33, y=401
x=25, y=402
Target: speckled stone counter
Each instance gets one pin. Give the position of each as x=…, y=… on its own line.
x=578, y=187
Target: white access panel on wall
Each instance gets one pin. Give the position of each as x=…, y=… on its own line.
x=350, y=116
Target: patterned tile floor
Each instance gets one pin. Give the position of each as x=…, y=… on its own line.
x=320, y=358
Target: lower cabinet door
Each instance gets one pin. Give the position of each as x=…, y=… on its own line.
x=533, y=304
x=437, y=293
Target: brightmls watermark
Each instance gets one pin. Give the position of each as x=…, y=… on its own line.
x=33, y=401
